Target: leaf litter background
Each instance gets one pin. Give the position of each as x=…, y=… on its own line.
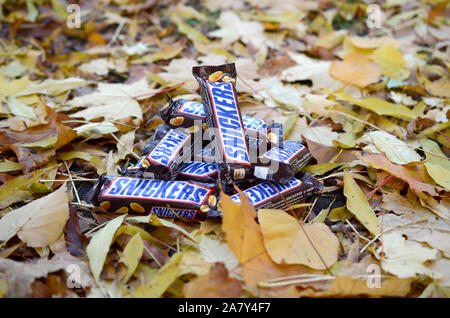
x=372, y=105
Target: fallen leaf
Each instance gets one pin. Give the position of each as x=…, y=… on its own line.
x=357, y=204
x=20, y=275
x=17, y=189
x=405, y=260
x=215, y=284
x=356, y=69
x=379, y=106
x=113, y=101
x=163, y=279
x=132, y=255
x=396, y=150
x=40, y=222
x=391, y=62
x=415, y=175
x=98, y=247
x=287, y=243
x=53, y=87
x=437, y=167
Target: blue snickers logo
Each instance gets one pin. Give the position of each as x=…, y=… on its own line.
x=266, y=191
x=193, y=109
x=164, y=153
x=290, y=150
x=254, y=124
x=199, y=169
x=159, y=190
x=165, y=212
x=230, y=130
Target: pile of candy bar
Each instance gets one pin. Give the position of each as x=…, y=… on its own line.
x=179, y=173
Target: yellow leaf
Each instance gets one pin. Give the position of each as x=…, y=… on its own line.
x=98, y=247
x=287, y=243
x=439, y=88
x=40, y=222
x=356, y=69
x=163, y=279
x=8, y=166
x=391, y=62
x=396, y=150
x=437, y=167
x=379, y=106
x=3, y=287
x=16, y=190
x=357, y=204
x=132, y=254
x=191, y=33
x=345, y=286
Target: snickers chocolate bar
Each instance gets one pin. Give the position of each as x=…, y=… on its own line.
x=273, y=195
x=217, y=88
x=169, y=199
x=199, y=171
x=279, y=164
x=182, y=113
x=164, y=156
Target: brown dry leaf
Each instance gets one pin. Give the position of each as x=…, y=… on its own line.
x=287, y=242
x=215, y=284
x=20, y=275
x=356, y=69
x=415, y=176
x=40, y=222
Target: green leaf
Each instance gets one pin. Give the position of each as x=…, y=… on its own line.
x=437, y=167
x=357, y=204
x=98, y=247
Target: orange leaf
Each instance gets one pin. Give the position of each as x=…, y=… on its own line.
x=96, y=38
x=416, y=176
x=356, y=69
x=215, y=284
x=245, y=240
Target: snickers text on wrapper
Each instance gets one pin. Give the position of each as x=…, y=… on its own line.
x=224, y=119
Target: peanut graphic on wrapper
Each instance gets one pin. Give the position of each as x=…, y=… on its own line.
x=122, y=210
x=177, y=121
x=145, y=163
x=214, y=77
x=212, y=200
x=204, y=208
x=105, y=205
x=227, y=78
x=136, y=207
x=273, y=138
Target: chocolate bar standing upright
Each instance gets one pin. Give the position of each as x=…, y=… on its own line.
x=223, y=117
x=279, y=164
x=164, y=156
x=164, y=198
x=273, y=195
